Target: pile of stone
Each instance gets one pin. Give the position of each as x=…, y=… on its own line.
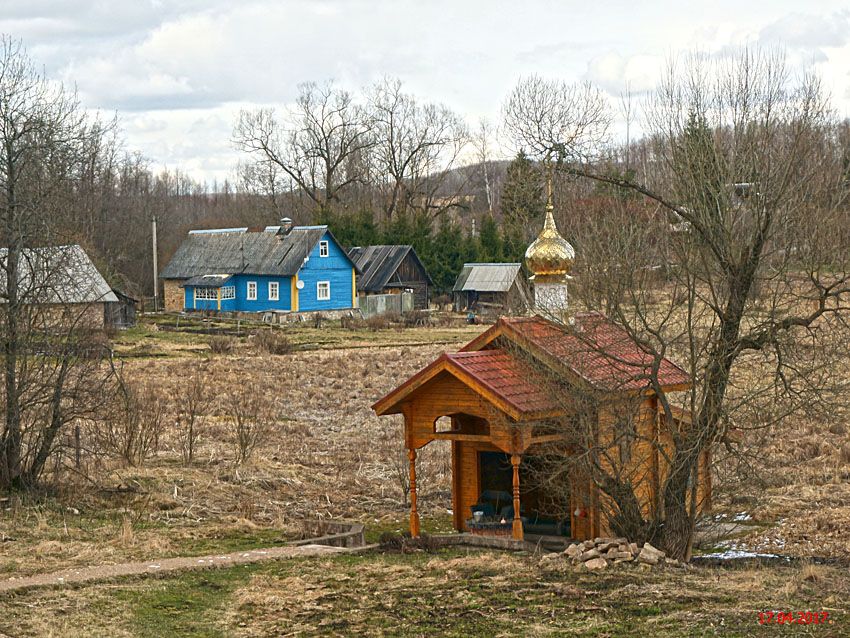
x=599, y=553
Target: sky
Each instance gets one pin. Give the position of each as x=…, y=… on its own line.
x=177, y=72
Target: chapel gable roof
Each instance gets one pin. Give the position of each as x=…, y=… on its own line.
x=595, y=350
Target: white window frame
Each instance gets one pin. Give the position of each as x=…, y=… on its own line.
x=319, y=287
x=252, y=291
x=274, y=286
x=205, y=294
x=324, y=249
x=228, y=292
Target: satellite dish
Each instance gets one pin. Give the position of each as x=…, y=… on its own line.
x=299, y=284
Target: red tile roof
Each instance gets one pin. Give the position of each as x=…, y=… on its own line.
x=508, y=377
x=596, y=350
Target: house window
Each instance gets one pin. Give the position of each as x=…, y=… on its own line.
x=323, y=290
x=228, y=292
x=206, y=294
x=252, y=291
x=274, y=291
x=323, y=249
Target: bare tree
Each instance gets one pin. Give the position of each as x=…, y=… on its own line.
x=484, y=155
x=45, y=142
x=191, y=417
x=744, y=208
x=546, y=116
x=416, y=146
x=311, y=148
x=251, y=419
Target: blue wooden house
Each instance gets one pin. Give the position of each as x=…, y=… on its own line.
x=285, y=268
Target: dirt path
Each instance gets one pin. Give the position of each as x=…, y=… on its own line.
x=106, y=572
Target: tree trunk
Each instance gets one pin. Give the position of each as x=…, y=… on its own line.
x=11, y=452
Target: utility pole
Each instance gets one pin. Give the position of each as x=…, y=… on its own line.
x=155, y=269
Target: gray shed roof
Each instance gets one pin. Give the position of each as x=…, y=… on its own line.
x=208, y=281
x=378, y=264
x=236, y=250
x=59, y=275
x=487, y=277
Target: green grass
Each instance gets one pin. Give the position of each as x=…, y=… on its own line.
x=183, y=606
x=430, y=524
x=447, y=593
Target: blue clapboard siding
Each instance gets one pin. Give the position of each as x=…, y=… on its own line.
x=336, y=268
x=263, y=302
x=242, y=303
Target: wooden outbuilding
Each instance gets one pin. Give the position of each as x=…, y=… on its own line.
x=121, y=313
x=491, y=289
x=494, y=401
x=391, y=269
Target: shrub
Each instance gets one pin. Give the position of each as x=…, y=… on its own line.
x=351, y=322
x=251, y=419
x=221, y=345
x=416, y=318
x=377, y=322
x=272, y=342
x=391, y=541
x=838, y=428
x=131, y=426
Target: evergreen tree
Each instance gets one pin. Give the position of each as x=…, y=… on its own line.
x=490, y=240
x=523, y=205
x=447, y=255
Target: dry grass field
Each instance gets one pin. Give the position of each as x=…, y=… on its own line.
x=450, y=593
x=326, y=455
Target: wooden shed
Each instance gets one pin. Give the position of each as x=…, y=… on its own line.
x=492, y=402
x=391, y=269
x=120, y=313
x=491, y=288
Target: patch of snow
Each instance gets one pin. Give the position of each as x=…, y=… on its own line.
x=742, y=516
x=730, y=554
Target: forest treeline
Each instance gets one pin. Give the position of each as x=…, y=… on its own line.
x=377, y=166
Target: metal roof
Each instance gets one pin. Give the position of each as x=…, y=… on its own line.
x=238, y=251
x=58, y=275
x=487, y=277
x=208, y=281
x=379, y=263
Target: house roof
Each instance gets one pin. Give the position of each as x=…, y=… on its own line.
x=486, y=277
x=596, y=350
x=237, y=250
x=59, y=275
x=379, y=263
x=208, y=281
x=507, y=381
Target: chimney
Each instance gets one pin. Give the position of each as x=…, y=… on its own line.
x=285, y=226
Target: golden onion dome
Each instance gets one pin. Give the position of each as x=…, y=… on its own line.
x=550, y=254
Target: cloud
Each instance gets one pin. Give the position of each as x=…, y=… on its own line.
x=178, y=70
x=618, y=74
x=809, y=31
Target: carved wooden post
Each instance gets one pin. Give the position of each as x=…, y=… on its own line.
x=414, y=513
x=517, y=524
